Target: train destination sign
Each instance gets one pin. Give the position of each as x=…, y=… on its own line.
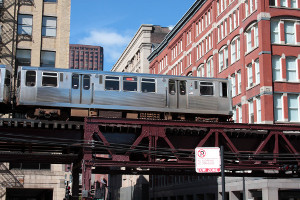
x=208, y=159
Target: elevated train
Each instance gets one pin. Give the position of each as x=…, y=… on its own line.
x=63, y=93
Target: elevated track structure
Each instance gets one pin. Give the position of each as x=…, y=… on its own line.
x=134, y=146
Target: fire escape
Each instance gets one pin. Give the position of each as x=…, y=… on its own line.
x=9, y=29
x=10, y=179
x=8, y=45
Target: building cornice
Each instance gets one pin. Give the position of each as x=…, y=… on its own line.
x=182, y=22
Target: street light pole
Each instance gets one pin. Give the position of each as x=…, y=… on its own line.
x=130, y=189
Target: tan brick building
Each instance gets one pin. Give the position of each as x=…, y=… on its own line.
x=35, y=33
x=134, y=57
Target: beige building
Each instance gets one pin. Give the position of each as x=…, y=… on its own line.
x=134, y=58
x=34, y=33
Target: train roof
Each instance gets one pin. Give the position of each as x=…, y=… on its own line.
x=6, y=67
x=81, y=71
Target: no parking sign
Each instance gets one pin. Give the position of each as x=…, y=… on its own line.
x=208, y=159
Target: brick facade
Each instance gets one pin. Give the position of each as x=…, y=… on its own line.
x=86, y=57
x=242, y=41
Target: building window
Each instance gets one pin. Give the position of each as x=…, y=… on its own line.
x=239, y=80
x=251, y=112
x=250, y=76
x=278, y=107
x=240, y=114
x=200, y=71
x=49, y=26
x=257, y=71
x=249, y=32
x=24, y=24
x=294, y=4
x=275, y=31
x=249, y=40
x=48, y=58
x=258, y=109
x=233, y=85
x=293, y=107
x=223, y=59
x=210, y=67
x=283, y=3
x=53, y=1
x=291, y=69
x=289, y=30
x=233, y=52
x=276, y=68
x=234, y=114
x=23, y=57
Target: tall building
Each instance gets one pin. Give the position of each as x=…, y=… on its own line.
x=255, y=44
x=86, y=57
x=134, y=57
x=34, y=33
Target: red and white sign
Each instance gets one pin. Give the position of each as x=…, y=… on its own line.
x=208, y=159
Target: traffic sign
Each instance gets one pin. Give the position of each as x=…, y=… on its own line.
x=207, y=160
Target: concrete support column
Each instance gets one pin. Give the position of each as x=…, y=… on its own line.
x=270, y=193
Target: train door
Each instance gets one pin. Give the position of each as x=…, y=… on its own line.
x=177, y=94
x=81, y=91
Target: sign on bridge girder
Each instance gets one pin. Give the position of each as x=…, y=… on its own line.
x=208, y=160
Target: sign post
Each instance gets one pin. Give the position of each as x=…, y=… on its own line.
x=208, y=160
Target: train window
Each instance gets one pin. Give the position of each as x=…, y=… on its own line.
x=7, y=78
x=148, y=85
x=49, y=79
x=75, y=81
x=100, y=79
x=182, y=87
x=223, y=89
x=86, y=82
x=30, y=78
x=112, y=83
x=129, y=83
x=172, y=88
x=206, y=88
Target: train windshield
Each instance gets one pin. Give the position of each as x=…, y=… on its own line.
x=30, y=78
x=206, y=88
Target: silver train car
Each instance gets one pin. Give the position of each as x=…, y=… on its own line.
x=53, y=92
x=5, y=87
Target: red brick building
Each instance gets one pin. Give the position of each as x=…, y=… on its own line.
x=86, y=57
x=255, y=43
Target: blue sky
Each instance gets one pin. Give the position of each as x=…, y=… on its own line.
x=112, y=23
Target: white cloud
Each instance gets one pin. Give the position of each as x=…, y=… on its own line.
x=112, y=42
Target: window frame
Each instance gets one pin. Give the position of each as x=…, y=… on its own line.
x=20, y=25
x=210, y=85
x=46, y=27
x=147, y=81
x=112, y=79
x=127, y=81
x=49, y=76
